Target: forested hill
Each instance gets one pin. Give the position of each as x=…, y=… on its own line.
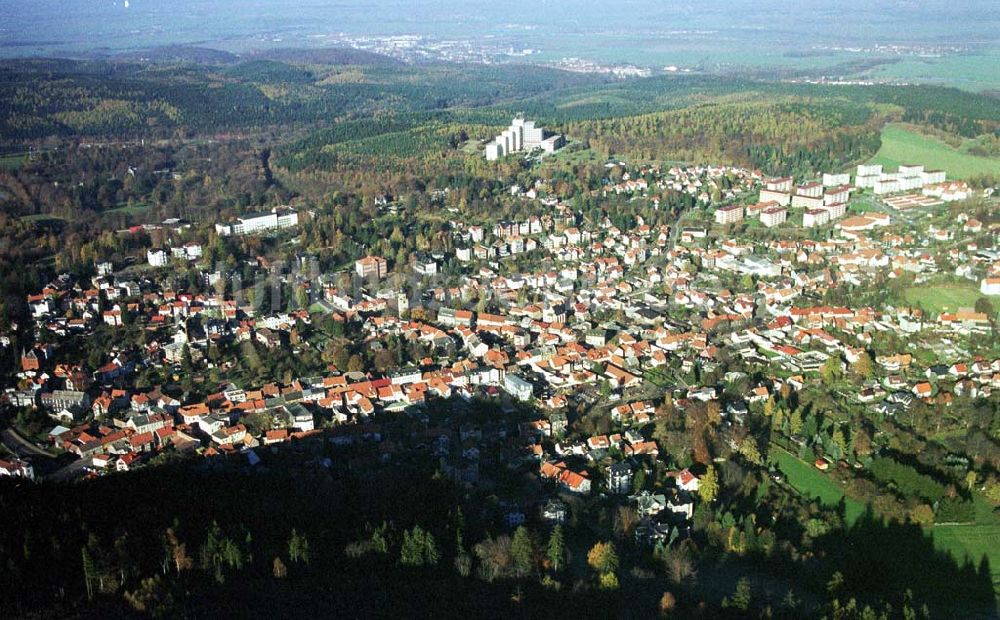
x=781, y=137
x=161, y=92
x=127, y=100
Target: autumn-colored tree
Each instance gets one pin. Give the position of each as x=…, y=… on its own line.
x=713, y=412
x=970, y=480
x=831, y=370
x=152, y=597
x=863, y=366
x=666, y=408
x=795, y=423
x=861, y=442
x=748, y=448
x=278, y=568
x=708, y=488
x=355, y=364
x=778, y=418
x=603, y=558
x=922, y=514
x=667, y=603
x=298, y=548
x=609, y=581
x=178, y=551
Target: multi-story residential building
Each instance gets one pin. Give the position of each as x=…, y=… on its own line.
x=65, y=399
x=374, y=266
x=931, y=177
x=773, y=216
x=157, y=257
x=780, y=184
x=990, y=286
x=815, y=217
x=729, y=215
x=620, y=478
x=812, y=190
x=782, y=198
x=833, y=180
x=838, y=194
x=807, y=201
x=835, y=210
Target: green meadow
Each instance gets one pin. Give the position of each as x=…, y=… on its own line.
x=943, y=297
x=811, y=482
x=901, y=145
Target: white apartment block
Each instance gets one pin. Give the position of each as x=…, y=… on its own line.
x=833, y=180
x=886, y=186
x=815, y=217
x=836, y=195
x=863, y=182
x=932, y=177
x=729, y=215
x=869, y=170
x=812, y=190
x=836, y=210
x=278, y=218
x=781, y=197
x=157, y=257
x=806, y=202
x=773, y=216
x=990, y=286
x=780, y=184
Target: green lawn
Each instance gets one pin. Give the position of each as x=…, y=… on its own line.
x=901, y=145
x=972, y=542
x=13, y=162
x=811, y=482
x=968, y=541
x=938, y=298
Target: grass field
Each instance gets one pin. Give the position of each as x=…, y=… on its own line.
x=939, y=298
x=40, y=218
x=964, y=542
x=13, y=162
x=973, y=71
x=811, y=482
x=901, y=145
x=973, y=541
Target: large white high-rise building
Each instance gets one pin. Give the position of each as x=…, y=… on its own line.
x=522, y=136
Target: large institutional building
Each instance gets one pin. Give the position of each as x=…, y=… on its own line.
x=279, y=217
x=522, y=136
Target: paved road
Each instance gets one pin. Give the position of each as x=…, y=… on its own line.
x=21, y=446
x=71, y=471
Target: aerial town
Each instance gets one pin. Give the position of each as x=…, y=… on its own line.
x=617, y=314
x=434, y=324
